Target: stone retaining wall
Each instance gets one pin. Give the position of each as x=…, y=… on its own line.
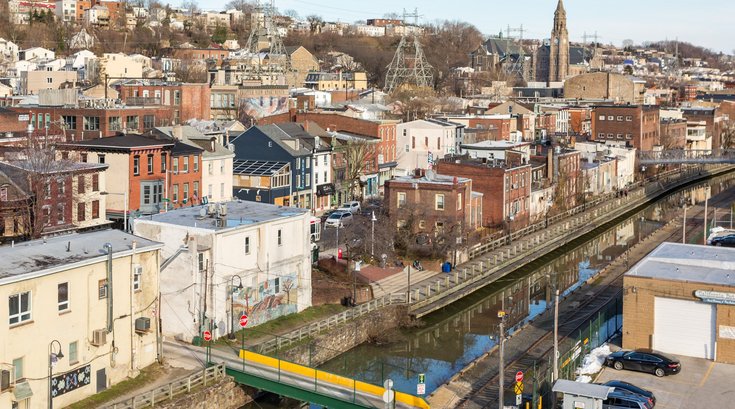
x=225, y=394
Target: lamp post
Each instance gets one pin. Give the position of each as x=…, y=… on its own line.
x=52, y=358
x=232, y=303
x=372, y=240
x=125, y=211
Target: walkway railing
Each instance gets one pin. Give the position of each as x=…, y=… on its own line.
x=683, y=156
x=182, y=386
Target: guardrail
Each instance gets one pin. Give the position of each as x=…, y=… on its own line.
x=171, y=390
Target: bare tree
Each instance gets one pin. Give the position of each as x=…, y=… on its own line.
x=190, y=6
x=415, y=103
x=355, y=157
x=315, y=24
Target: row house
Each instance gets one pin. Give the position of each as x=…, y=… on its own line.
x=580, y=120
x=523, y=120
x=188, y=101
x=636, y=125
x=493, y=127
x=423, y=142
x=506, y=188
x=624, y=157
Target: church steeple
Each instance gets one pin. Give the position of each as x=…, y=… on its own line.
x=559, y=50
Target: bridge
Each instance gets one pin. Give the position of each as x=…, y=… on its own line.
x=682, y=156
x=296, y=381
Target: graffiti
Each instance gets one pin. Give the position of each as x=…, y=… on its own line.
x=70, y=381
x=261, y=107
x=272, y=298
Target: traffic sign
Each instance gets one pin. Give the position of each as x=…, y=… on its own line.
x=422, y=378
x=421, y=389
x=519, y=399
x=518, y=388
x=207, y=336
x=244, y=320
x=519, y=376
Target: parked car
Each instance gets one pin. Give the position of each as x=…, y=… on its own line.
x=338, y=219
x=352, y=207
x=622, y=399
x=724, y=241
x=632, y=388
x=644, y=360
x=326, y=215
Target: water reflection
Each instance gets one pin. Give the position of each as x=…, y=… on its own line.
x=461, y=332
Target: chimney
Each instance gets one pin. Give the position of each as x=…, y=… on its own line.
x=177, y=132
x=550, y=163
x=211, y=145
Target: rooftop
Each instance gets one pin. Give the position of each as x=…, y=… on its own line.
x=432, y=178
x=255, y=167
x=238, y=213
x=688, y=263
x=494, y=145
x=590, y=390
x=38, y=257
x=128, y=141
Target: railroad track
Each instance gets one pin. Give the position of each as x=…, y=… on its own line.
x=485, y=389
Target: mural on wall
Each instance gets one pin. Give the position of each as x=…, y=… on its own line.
x=273, y=298
x=71, y=380
x=260, y=107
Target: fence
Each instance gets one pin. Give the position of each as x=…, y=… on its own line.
x=167, y=392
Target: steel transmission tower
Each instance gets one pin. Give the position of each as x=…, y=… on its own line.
x=409, y=67
x=265, y=30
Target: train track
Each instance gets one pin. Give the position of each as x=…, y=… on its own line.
x=572, y=315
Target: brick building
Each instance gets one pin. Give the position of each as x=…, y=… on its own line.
x=636, y=125
x=679, y=300
x=433, y=204
x=673, y=133
x=188, y=101
x=506, y=188
x=200, y=54
x=580, y=120
x=608, y=86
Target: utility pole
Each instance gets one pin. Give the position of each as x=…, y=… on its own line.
x=556, y=335
x=684, y=227
x=706, y=203
x=501, y=339
x=408, y=289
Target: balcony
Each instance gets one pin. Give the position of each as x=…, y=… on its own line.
x=142, y=101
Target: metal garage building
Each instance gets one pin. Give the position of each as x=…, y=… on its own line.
x=680, y=299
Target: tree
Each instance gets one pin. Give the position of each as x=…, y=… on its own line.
x=242, y=5
x=220, y=34
x=291, y=13
x=415, y=102
x=191, y=6
x=357, y=156
x=315, y=24
x=191, y=71
x=728, y=135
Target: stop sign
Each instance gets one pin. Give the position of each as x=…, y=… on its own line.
x=519, y=376
x=244, y=321
x=207, y=336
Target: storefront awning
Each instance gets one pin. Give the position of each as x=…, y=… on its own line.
x=325, y=190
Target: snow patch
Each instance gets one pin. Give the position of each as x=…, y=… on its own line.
x=592, y=363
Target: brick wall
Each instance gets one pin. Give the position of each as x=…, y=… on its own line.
x=638, y=311
x=421, y=203
x=638, y=126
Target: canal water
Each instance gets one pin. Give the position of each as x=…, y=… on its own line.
x=455, y=336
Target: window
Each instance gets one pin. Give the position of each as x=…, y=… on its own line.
x=620, y=136
x=100, y=158
x=426, y=141
x=114, y=123
x=601, y=135
x=163, y=163
x=609, y=136
x=177, y=97
x=73, y=356
x=308, y=163
x=91, y=123
x=63, y=296
x=247, y=245
x=195, y=193
x=406, y=148
x=146, y=194
x=96, y=182
x=84, y=157
x=401, y=199
x=149, y=121
x=628, y=118
x=413, y=143
x=102, y=289
x=18, y=368
x=131, y=123
x=210, y=168
x=619, y=118
x=150, y=164
x=136, y=165
x=280, y=237
x=438, y=143
x=325, y=160
x=316, y=178
x=47, y=189
x=176, y=165
x=439, y=227
x=439, y=202
x=70, y=122
x=19, y=308
x=3, y=194
x=602, y=117
x=459, y=201
x=81, y=208
x=185, y=164
x=95, y=209
x=201, y=261
x=196, y=163
x=176, y=193
x=60, y=213
x=46, y=213
x=610, y=118
x=222, y=167
x=137, y=273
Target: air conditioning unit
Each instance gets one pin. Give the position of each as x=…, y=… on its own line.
x=211, y=209
x=6, y=381
x=142, y=324
x=99, y=337
x=223, y=210
x=219, y=223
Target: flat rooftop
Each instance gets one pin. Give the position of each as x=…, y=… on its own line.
x=688, y=263
x=239, y=213
x=38, y=257
x=490, y=145
x=431, y=177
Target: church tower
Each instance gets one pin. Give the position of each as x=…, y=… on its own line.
x=559, y=52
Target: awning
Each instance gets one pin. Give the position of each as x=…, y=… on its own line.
x=22, y=391
x=325, y=190
x=387, y=165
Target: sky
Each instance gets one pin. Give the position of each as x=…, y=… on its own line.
x=701, y=22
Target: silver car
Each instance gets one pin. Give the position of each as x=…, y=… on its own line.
x=338, y=219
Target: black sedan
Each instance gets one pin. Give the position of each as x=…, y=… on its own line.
x=724, y=241
x=644, y=360
x=632, y=388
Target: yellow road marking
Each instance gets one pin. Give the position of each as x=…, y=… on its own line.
x=706, y=374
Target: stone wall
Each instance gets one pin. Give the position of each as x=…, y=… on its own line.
x=225, y=394
x=332, y=343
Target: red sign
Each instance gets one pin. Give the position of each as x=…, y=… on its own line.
x=519, y=376
x=244, y=321
x=207, y=336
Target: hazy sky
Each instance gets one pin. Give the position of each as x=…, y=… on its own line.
x=701, y=22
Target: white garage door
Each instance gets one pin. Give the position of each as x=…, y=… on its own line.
x=684, y=327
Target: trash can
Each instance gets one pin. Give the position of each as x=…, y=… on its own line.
x=446, y=267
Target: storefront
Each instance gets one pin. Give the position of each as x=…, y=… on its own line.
x=680, y=299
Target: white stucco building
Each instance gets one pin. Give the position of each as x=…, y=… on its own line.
x=421, y=143
x=255, y=255
x=624, y=156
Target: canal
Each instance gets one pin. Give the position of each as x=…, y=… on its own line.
x=451, y=338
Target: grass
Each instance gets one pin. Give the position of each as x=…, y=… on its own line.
x=147, y=375
x=286, y=323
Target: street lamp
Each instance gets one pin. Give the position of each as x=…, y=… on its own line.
x=125, y=211
x=52, y=359
x=372, y=241
x=232, y=303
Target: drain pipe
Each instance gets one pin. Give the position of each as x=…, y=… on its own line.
x=108, y=247
x=132, y=319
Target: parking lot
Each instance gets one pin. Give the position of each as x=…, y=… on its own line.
x=701, y=384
